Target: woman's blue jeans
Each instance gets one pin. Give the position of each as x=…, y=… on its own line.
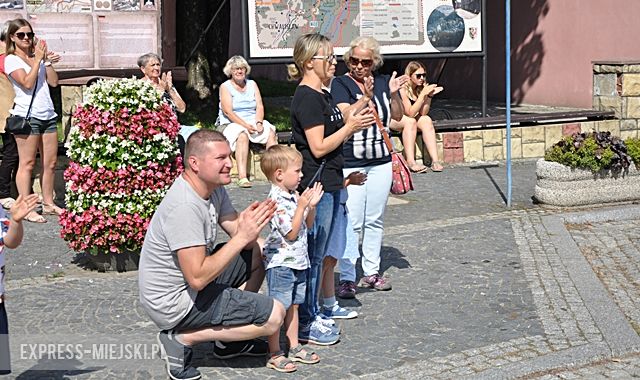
x=318, y=238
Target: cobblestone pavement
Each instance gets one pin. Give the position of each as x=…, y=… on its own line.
x=613, y=250
x=479, y=291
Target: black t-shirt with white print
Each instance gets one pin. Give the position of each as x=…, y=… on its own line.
x=310, y=108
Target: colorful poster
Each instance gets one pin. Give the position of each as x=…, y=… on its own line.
x=11, y=4
x=126, y=5
x=401, y=26
x=102, y=5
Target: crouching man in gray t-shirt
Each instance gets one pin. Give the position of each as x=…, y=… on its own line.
x=196, y=292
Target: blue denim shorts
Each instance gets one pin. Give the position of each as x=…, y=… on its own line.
x=39, y=127
x=287, y=285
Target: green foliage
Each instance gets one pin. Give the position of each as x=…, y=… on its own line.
x=275, y=88
x=280, y=117
x=595, y=151
x=633, y=148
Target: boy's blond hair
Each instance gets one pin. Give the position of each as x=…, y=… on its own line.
x=278, y=157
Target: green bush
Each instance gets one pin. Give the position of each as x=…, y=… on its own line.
x=596, y=151
x=275, y=88
x=633, y=149
x=280, y=117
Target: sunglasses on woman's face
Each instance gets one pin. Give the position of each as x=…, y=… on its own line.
x=421, y=76
x=328, y=58
x=364, y=62
x=22, y=35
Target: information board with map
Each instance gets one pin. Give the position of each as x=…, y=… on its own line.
x=401, y=26
x=92, y=34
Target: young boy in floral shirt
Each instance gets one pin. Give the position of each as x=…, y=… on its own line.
x=285, y=251
x=10, y=236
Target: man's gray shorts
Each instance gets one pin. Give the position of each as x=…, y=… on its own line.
x=220, y=303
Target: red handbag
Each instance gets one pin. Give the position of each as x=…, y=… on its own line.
x=402, y=181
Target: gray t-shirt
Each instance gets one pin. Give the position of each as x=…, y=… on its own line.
x=183, y=219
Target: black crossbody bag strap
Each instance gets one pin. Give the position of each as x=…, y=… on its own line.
x=33, y=95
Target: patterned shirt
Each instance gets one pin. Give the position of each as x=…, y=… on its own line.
x=4, y=228
x=278, y=250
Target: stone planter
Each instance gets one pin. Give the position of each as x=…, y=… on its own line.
x=559, y=185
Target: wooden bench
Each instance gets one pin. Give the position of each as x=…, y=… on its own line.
x=498, y=122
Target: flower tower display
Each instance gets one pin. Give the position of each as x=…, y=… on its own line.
x=123, y=156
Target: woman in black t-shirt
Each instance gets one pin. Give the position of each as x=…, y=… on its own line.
x=319, y=130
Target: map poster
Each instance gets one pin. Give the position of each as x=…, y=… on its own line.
x=401, y=26
x=58, y=6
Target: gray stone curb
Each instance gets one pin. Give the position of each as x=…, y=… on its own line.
x=573, y=356
x=618, y=213
x=610, y=320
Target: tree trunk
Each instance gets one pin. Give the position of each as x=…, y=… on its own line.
x=204, y=69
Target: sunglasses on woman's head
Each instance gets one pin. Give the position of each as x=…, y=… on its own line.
x=364, y=62
x=22, y=35
x=421, y=76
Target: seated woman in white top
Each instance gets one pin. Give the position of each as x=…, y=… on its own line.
x=241, y=115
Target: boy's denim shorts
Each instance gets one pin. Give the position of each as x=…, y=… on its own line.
x=287, y=285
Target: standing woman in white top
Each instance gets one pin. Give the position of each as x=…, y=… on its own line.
x=26, y=64
x=241, y=114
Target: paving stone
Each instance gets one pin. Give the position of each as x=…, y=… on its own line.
x=477, y=288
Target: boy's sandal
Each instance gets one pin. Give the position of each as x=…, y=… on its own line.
x=302, y=355
x=34, y=217
x=7, y=202
x=51, y=209
x=436, y=166
x=280, y=363
x=244, y=183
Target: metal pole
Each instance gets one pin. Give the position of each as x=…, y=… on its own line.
x=484, y=59
x=508, y=94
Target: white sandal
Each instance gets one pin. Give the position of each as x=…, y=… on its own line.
x=7, y=203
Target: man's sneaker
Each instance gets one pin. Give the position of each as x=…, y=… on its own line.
x=318, y=334
x=376, y=282
x=337, y=312
x=177, y=356
x=347, y=289
x=328, y=322
x=228, y=350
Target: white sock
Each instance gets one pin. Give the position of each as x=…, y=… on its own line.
x=330, y=302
